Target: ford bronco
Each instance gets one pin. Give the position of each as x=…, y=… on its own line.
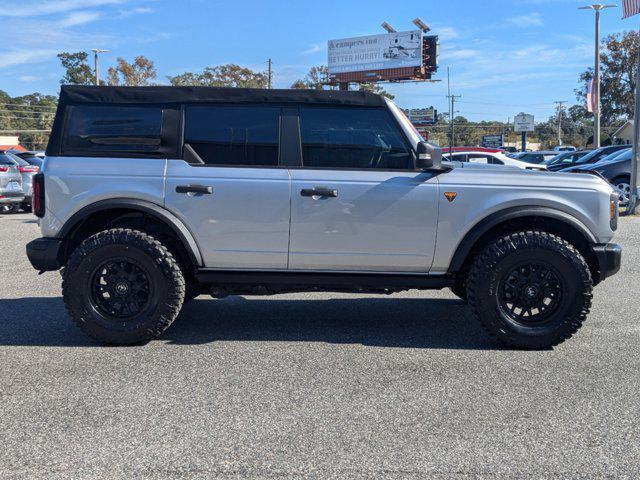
x=150, y=196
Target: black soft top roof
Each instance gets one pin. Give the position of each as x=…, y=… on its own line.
x=81, y=94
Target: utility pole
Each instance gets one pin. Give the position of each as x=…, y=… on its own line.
x=96, y=51
x=452, y=112
x=560, y=103
x=596, y=111
x=269, y=73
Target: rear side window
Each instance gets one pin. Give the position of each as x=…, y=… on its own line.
x=100, y=129
x=351, y=138
x=234, y=135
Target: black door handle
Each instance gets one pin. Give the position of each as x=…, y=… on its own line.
x=318, y=192
x=194, y=189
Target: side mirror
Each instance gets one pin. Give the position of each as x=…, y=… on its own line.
x=429, y=157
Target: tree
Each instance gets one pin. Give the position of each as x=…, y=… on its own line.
x=229, y=75
x=375, y=88
x=28, y=112
x=318, y=76
x=77, y=70
x=139, y=73
x=314, y=80
x=619, y=59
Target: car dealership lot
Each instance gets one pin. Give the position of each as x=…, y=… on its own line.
x=315, y=386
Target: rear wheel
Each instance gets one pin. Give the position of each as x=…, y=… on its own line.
x=530, y=289
x=122, y=286
x=8, y=208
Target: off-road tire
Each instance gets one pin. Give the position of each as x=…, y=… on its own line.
x=492, y=266
x=459, y=288
x=165, y=280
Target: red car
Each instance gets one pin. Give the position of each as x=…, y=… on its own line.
x=471, y=149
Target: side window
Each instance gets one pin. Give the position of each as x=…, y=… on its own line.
x=496, y=161
x=352, y=138
x=234, y=135
x=459, y=157
x=101, y=129
x=479, y=158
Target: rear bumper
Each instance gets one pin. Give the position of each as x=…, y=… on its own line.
x=44, y=253
x=11, y=197
x=609, y=258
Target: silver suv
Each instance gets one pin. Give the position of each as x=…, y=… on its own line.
x=151, y=196
x=11, y=192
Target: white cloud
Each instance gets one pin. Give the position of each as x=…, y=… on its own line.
x=28, y=78
x=459, y=54
x=315, y=48
x=135, y=11
x=48, y=7
x=78, y=18
x=21, y=57
x=533, y=19
x=447, y=33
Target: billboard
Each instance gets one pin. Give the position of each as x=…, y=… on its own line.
x=375, y=52
x=523, y=123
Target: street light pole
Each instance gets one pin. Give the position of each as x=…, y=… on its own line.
x=560, y=103
x=96, y=51
x=597, y=7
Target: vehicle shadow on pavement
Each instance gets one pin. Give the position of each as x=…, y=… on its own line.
x=380, y=322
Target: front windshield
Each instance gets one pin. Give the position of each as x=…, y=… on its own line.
x=406, y=123
x=557, y=158
x=617, y=156
x=596, y=156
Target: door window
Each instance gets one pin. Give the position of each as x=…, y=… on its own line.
x=358, y=138
x=234, y=135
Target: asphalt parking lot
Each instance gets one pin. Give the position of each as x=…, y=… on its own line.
x=315, y=386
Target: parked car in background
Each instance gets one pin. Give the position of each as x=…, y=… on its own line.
x=565, y=148
x=536, y=158
x=592, y=157
x=11, y=194
x=509, y=149
x=616, y=168
x=33, y=157
x=490, y=158
x=27, y=171
x=568, y=158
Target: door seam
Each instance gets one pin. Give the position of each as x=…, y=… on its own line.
x=290, y=209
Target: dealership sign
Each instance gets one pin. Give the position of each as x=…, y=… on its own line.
x=423, y=116
x=492, y=141
x=523, y=123
x=375, y=52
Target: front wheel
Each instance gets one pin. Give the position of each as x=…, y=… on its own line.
x=123, y=286
x=623, y=186
x=530, y=289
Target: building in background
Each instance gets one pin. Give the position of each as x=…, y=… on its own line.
x=10, y=142
x=624, y=134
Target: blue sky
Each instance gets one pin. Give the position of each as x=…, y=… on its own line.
x=505, y=56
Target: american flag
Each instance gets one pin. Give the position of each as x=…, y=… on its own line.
x=630, y=8
x=591, y=96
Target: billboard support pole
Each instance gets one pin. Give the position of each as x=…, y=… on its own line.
x=524, y=141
